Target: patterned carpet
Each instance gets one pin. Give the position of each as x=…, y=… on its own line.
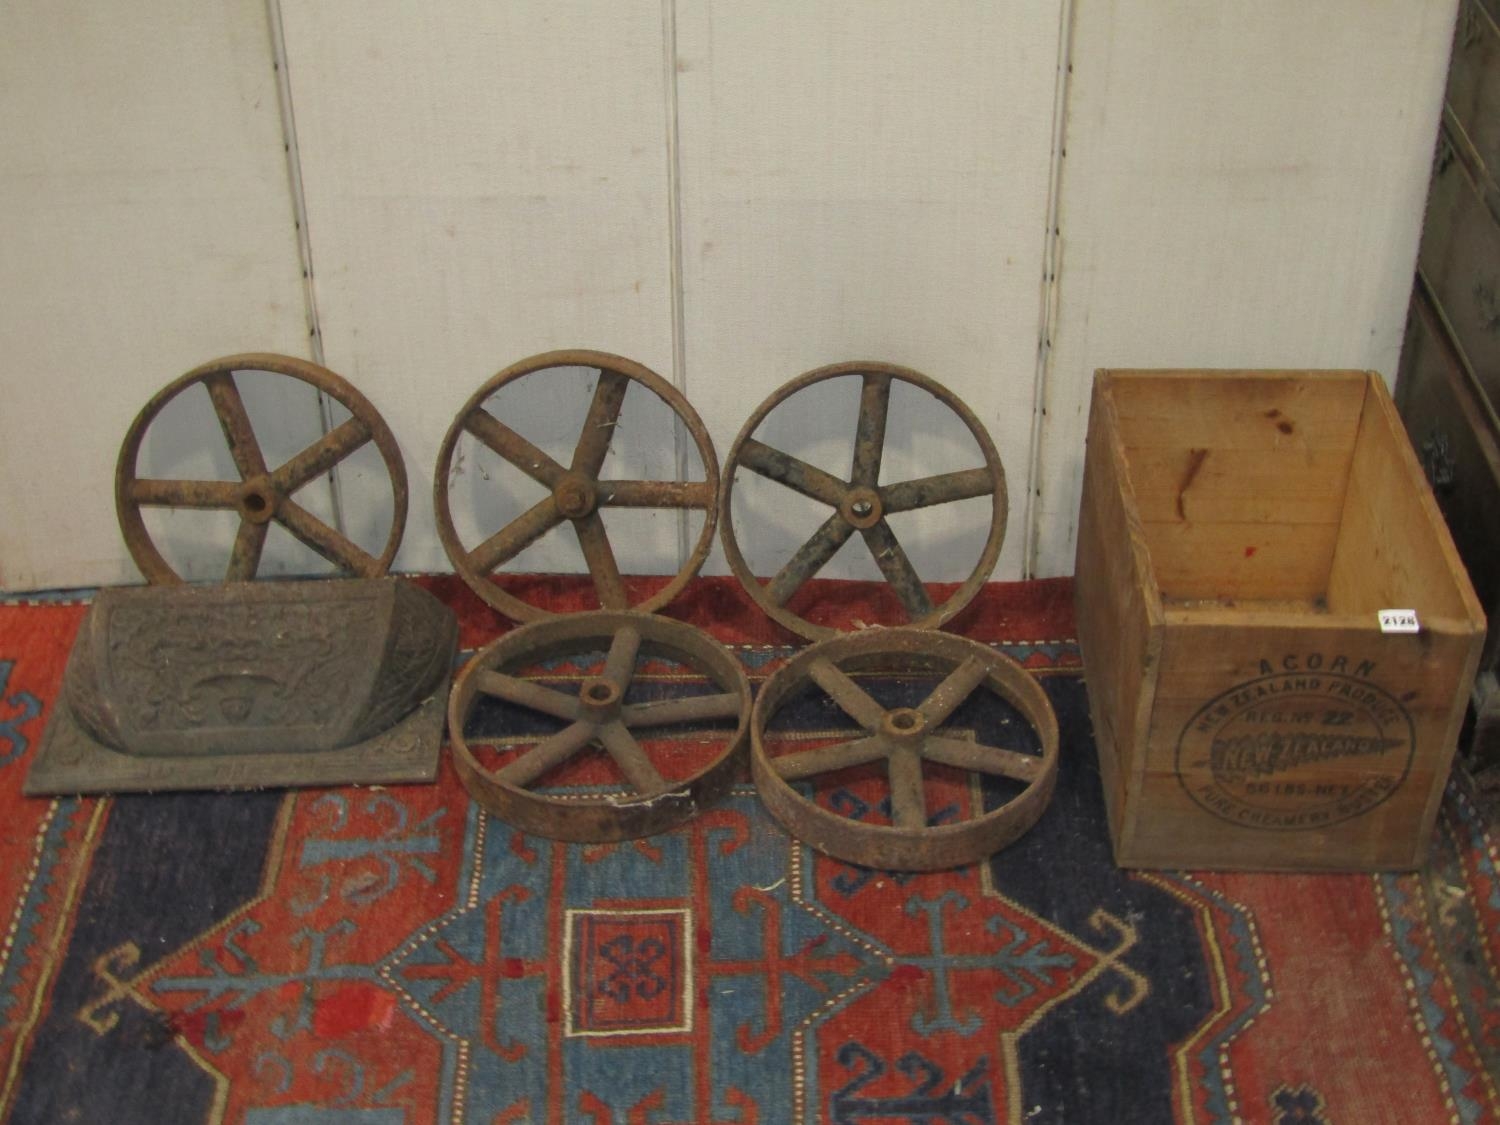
x=368, y=957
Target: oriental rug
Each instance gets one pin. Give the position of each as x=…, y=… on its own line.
x=375, y=956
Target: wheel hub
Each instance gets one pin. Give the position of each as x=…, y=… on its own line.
x=258, y=500
x=600, y=698
x=905, y=723
x=862, y=507
x=576, y=496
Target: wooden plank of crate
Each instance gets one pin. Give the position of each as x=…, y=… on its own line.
x=1390, y=517
x=1117, y=608
x=1410, y=680
x=1242, y=561
x=1276, y=410
x=1186, y=482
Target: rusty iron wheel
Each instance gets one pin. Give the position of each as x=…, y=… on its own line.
x=598, y=714
x=262, y=495
x=905, y=738
x=861, y=503
x=576, y=491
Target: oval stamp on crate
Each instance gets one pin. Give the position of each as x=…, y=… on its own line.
x=1304, y=745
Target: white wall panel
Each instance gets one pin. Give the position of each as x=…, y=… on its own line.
x=866, y=181
x=484, y=182
x=729, y=193
x=147, y=227
x=1243, y=187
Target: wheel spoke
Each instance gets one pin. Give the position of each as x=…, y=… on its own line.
x=333, y=546
x=619, y=662
x=515, y=536
x=513, y=447
x=979, y=758
x=809, y=559
x=235, y=421
x=898, y=570
x=797, y=475
x=944, y=488
x=158, y=493
x=855, y=702
x=526, y=693
x=869, y=434
x=631, y=759
x=656, y=493
x=955, y=688
x=908, y=794
x=599, y=426
x=322, y=455
x=687, y=709
x=547, y=754
x=244, y=559
x=601, y=559
x=825, y=759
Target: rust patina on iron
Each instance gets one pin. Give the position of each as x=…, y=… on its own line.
x=597, y=714
x=904, y=738
x=576, y=492
x=250, y=686
x=861, y=503
x=262, y=494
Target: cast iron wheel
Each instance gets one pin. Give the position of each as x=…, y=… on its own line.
x=598, y=715
x=577, y=492
x=861, y=503
x=262, y=494
x=904, y=738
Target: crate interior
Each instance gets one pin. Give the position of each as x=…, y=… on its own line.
x=1280, y=492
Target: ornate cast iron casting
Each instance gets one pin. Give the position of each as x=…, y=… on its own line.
x=240, y=685
x=904, y=740
x=598, y=713
x=861, y=503
x=262, y=494
x=576, y=491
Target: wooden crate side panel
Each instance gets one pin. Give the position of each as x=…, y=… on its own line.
x=1212, y=650
x=1117, y=610
x=1094, y=614
x=1197, y=481
x=1268, y=411
x=1241, y=561
x=1240, y=476
x=1394, y=550
x=1314, y=748
x=1178, y=833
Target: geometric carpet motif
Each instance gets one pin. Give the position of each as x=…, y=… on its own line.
x=383, y=955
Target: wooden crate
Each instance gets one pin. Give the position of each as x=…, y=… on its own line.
x=1239, y=533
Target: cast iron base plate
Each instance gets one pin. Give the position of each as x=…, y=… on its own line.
x=251, y=685
x=69, y=761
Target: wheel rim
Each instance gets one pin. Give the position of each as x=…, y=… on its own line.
x=905, y=738
x=860, y=503
x=262, y=495
x=598, y=715
x=576, y=491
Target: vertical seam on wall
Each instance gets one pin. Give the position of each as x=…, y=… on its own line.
x=1050, y=287
x=304, y=242
x=678, y=373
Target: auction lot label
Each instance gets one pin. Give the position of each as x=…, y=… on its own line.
x=1296, y=750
